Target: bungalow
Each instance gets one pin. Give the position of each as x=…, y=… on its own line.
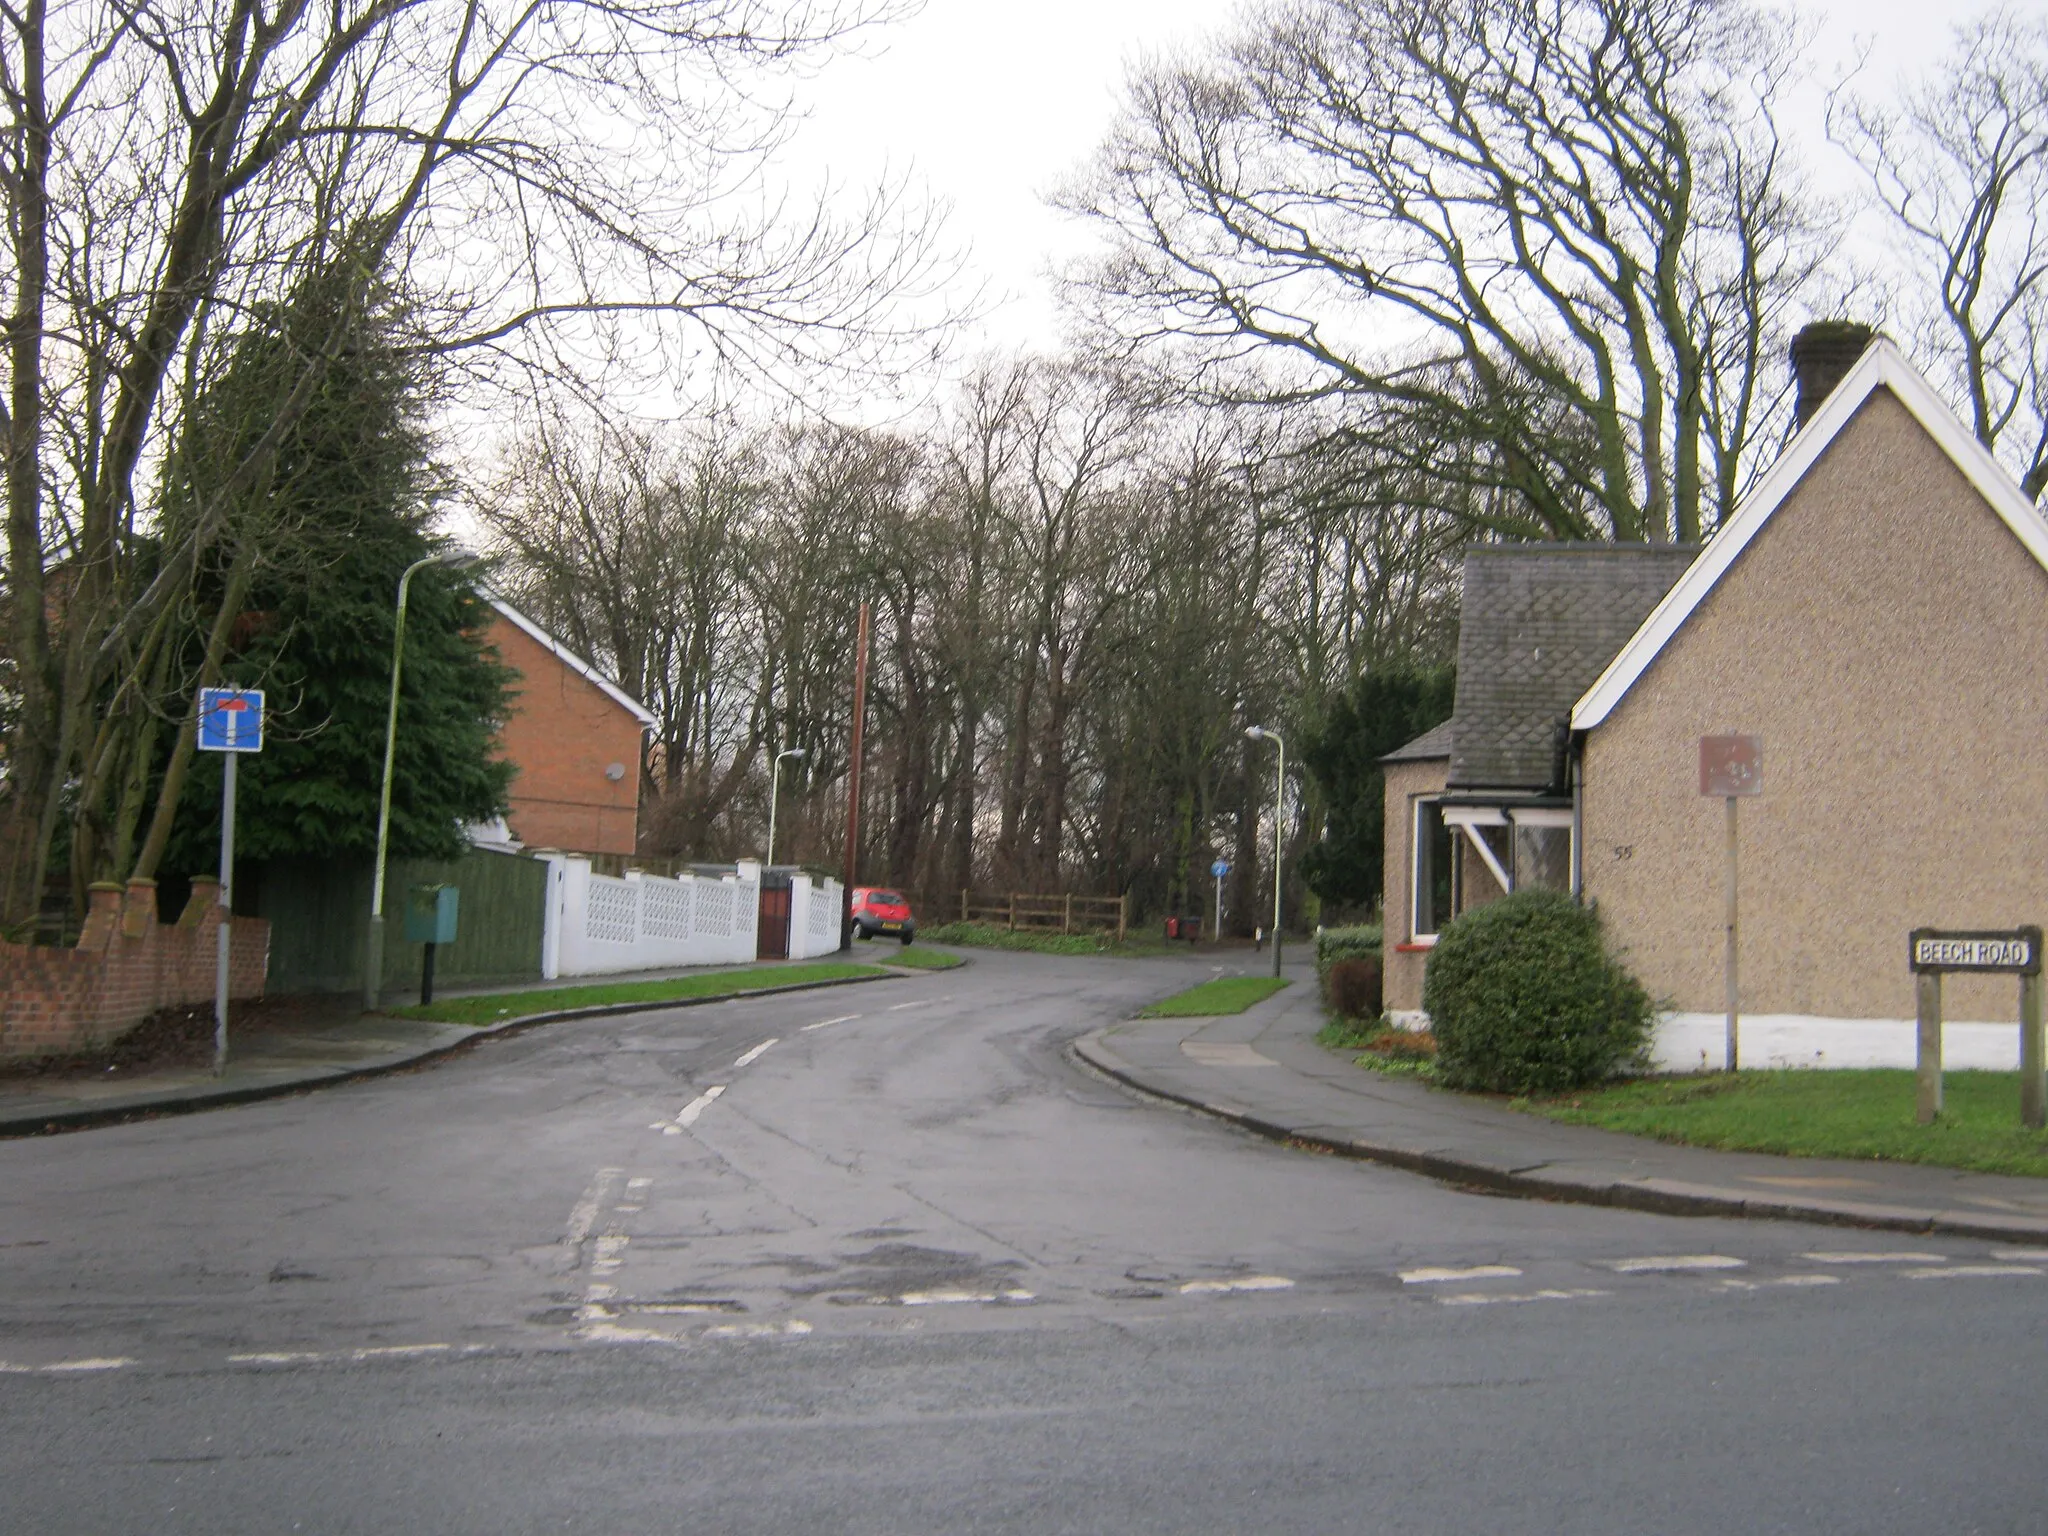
x=1873, y=613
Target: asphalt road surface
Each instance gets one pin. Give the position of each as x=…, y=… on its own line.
x=882, y=1259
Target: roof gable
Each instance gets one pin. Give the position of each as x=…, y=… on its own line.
x=573, y=662
x=1882, y=366
x=1537, y=623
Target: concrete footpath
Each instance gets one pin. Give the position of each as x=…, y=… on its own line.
x=271, y=1062
x=1263, y=1070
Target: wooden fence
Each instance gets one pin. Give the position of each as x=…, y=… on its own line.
x=1060, y=911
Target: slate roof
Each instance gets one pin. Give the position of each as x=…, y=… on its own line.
x=1538, y=624
x=1434, y=743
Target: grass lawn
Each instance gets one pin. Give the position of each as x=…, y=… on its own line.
x=1226, y=994
x=491, y=1007
x=920, y=958
x=1865, y=1114
x=989, y=936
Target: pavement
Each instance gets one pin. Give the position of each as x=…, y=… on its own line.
x=1264, y=1071
x=323, y=1050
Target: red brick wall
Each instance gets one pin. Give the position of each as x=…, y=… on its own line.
x=126, y=966
x=564, y=732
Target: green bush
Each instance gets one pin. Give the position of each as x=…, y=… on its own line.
x=1334, y=944
x=1352, y=989
x=1524, y=998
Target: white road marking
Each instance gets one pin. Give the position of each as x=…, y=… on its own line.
x=2023, y=1255
x=638, y=1187
x=941, y=1298
x=1477, y=1272
x=1790, y=1282
x=795, y=1328
x=355, y=1356
x=1891, y=1256
x=690, y=1111
x=583, y=1216
x=1497, y=1298
x=66, y=1367
x=844, y=1018
x=1674, y=1262
x=756, y=1053
x=611, y=1253
x=1971, y=1271
x=1247, y=1283
x=922, y=1002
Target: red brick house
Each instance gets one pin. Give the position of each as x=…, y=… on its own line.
x=575, y=737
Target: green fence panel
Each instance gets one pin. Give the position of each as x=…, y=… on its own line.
x=319, y=916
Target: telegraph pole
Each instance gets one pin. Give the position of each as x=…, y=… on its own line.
x=860, y=714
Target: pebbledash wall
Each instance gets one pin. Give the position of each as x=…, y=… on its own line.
x=125, y=966
x=600, y=923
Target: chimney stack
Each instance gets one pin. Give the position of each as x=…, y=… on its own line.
x=1822, y=355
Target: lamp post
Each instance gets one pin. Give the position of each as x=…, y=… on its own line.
x=774, y=787
x=373, y=964
x=1260, y=733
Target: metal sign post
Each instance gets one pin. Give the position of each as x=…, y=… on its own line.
x=231, y=723
x=1219, y=869
x=1933, y=953
x=1732, y=768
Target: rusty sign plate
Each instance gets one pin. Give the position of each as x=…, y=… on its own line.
x=1731, y=765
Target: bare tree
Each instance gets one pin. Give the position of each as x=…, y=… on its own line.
x=1960, y=163
x=1556, y=230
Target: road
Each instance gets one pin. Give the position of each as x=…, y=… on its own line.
x=882, y=1259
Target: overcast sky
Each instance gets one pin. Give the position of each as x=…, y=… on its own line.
x=989, y=104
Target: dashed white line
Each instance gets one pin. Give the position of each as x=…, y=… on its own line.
x=1244, y=1283
x=944, y=1297
x=1885, y=1256
x=1674, y=1263
x=583, y=1216
x=844, y=1018
x=795, y=1328
x=922, y=1002
x=2023, y=1255
x=354, y=1356
x=688, y=1114
x=756, y=1053
x=1781, y=1282
x=67, y=1367
x=1971, y=1271
x=1509, y=1298
x=1428, y=1276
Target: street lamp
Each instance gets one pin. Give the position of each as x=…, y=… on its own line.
x=774, y=786
x=373, y=968
x=1260, y=733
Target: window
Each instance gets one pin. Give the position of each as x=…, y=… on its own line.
x=1434, y=861
x=1543, y=858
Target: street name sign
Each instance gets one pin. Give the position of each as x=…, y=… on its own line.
x=2012, y=952
x=1731, y=766
x=231, y=720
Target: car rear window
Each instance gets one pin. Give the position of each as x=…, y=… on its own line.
x=887, y=899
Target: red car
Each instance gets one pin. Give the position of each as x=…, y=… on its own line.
x=877, y=912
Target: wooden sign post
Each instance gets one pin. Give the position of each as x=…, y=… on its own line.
x=2014, y=952
x=1731, y=767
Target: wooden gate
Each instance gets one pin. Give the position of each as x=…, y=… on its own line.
x=772, y=932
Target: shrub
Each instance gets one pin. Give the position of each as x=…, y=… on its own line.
x=1334, y=944
x=1524, y=998
x=1403, y=1045
x=1352, y=988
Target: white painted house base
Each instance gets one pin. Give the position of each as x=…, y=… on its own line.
x=1694, y=1042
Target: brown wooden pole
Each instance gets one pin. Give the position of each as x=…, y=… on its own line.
x=2033, y=1087
x=1927, y=991
x=860, y=712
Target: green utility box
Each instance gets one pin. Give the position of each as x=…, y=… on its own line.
x=430, y=914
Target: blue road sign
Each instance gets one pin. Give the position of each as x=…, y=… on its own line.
x=231, y=720
x=1220, y=868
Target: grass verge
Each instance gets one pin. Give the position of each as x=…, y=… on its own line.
x=1226, y=994
x=1863, y=1114
x=492, y=1007
x=919, y=957
x=988, y=936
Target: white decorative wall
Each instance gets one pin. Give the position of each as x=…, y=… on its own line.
x=815, y=908
x=598, y=924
